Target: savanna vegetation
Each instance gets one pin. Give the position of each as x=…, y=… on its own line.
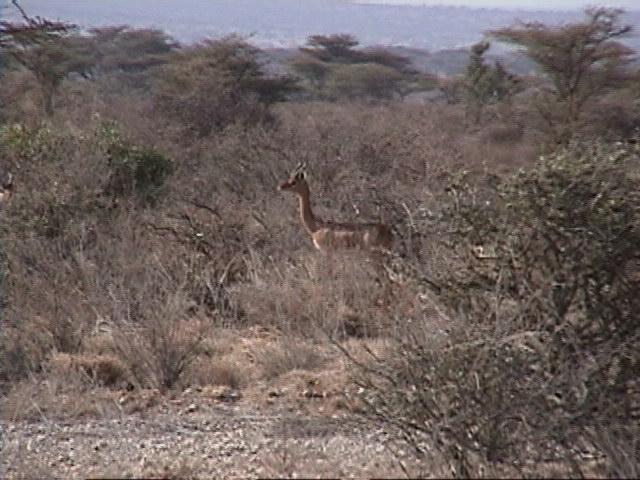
x=145, y=244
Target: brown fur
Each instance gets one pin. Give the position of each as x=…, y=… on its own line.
x=330, y=236
x=7, y=190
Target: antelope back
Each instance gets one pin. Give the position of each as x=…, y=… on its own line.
x=7, y=189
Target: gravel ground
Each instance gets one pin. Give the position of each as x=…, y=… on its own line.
x=221, y=441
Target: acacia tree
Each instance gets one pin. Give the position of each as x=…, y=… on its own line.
x=334, y=63
x=51, y=62
x=130, y=50
x=316, y=61
x=45, y=49
x=337, y=48
x=582, y=60
x=216, y=83
x=30, y=31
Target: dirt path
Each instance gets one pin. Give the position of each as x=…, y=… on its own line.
x=221, y=441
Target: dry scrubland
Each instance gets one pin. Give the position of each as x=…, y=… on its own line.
x=157, y=288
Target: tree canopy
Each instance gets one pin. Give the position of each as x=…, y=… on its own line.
x=582, y=60
x=30, y=31
x=334, y=67
x=216, y=83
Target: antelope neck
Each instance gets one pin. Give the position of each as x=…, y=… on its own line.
x=306, y=214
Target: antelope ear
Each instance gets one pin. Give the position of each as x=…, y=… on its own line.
x=299, y=168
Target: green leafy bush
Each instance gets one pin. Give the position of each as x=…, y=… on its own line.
x=135, y=171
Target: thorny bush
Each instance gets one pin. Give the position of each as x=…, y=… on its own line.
x=538, y=278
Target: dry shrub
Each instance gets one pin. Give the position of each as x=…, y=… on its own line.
x=101, y=370
x=221, y=361
x=538, y=280
x=620, y=445
x=58, y=242
x=153, y=465
x=286, y=461
x=19, y=99
x=49, y=397
x=322, y=295
x=496, y=156
x=153, y=333
x=231, y=372
x=614, y=116
x=287, y=355
x=503, y=133
x=25, y=466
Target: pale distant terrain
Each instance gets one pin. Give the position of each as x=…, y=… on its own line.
x=287, y=23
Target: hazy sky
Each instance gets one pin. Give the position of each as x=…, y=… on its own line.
x=528, y=4
x=286, y=23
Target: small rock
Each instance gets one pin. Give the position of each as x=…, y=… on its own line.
x=99, y=445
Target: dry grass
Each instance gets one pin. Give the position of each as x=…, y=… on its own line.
x=287, y=355
x=24, y=468
x=319, y=296
x=223, y=371
x=98, y=370
x=58, y=398
x=216, y=283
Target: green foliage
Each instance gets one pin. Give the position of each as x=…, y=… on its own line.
x=128, y=56
x=135, y=171
x=337, y=48
x=334, y=68
x=485, y=84
x=28, y=144
x=381, y=56
x=341, y=49
x=538, y=279
x=315, y=71
x=38, y=155
x=130, y=50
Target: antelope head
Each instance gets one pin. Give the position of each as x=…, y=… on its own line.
x=297, y=180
